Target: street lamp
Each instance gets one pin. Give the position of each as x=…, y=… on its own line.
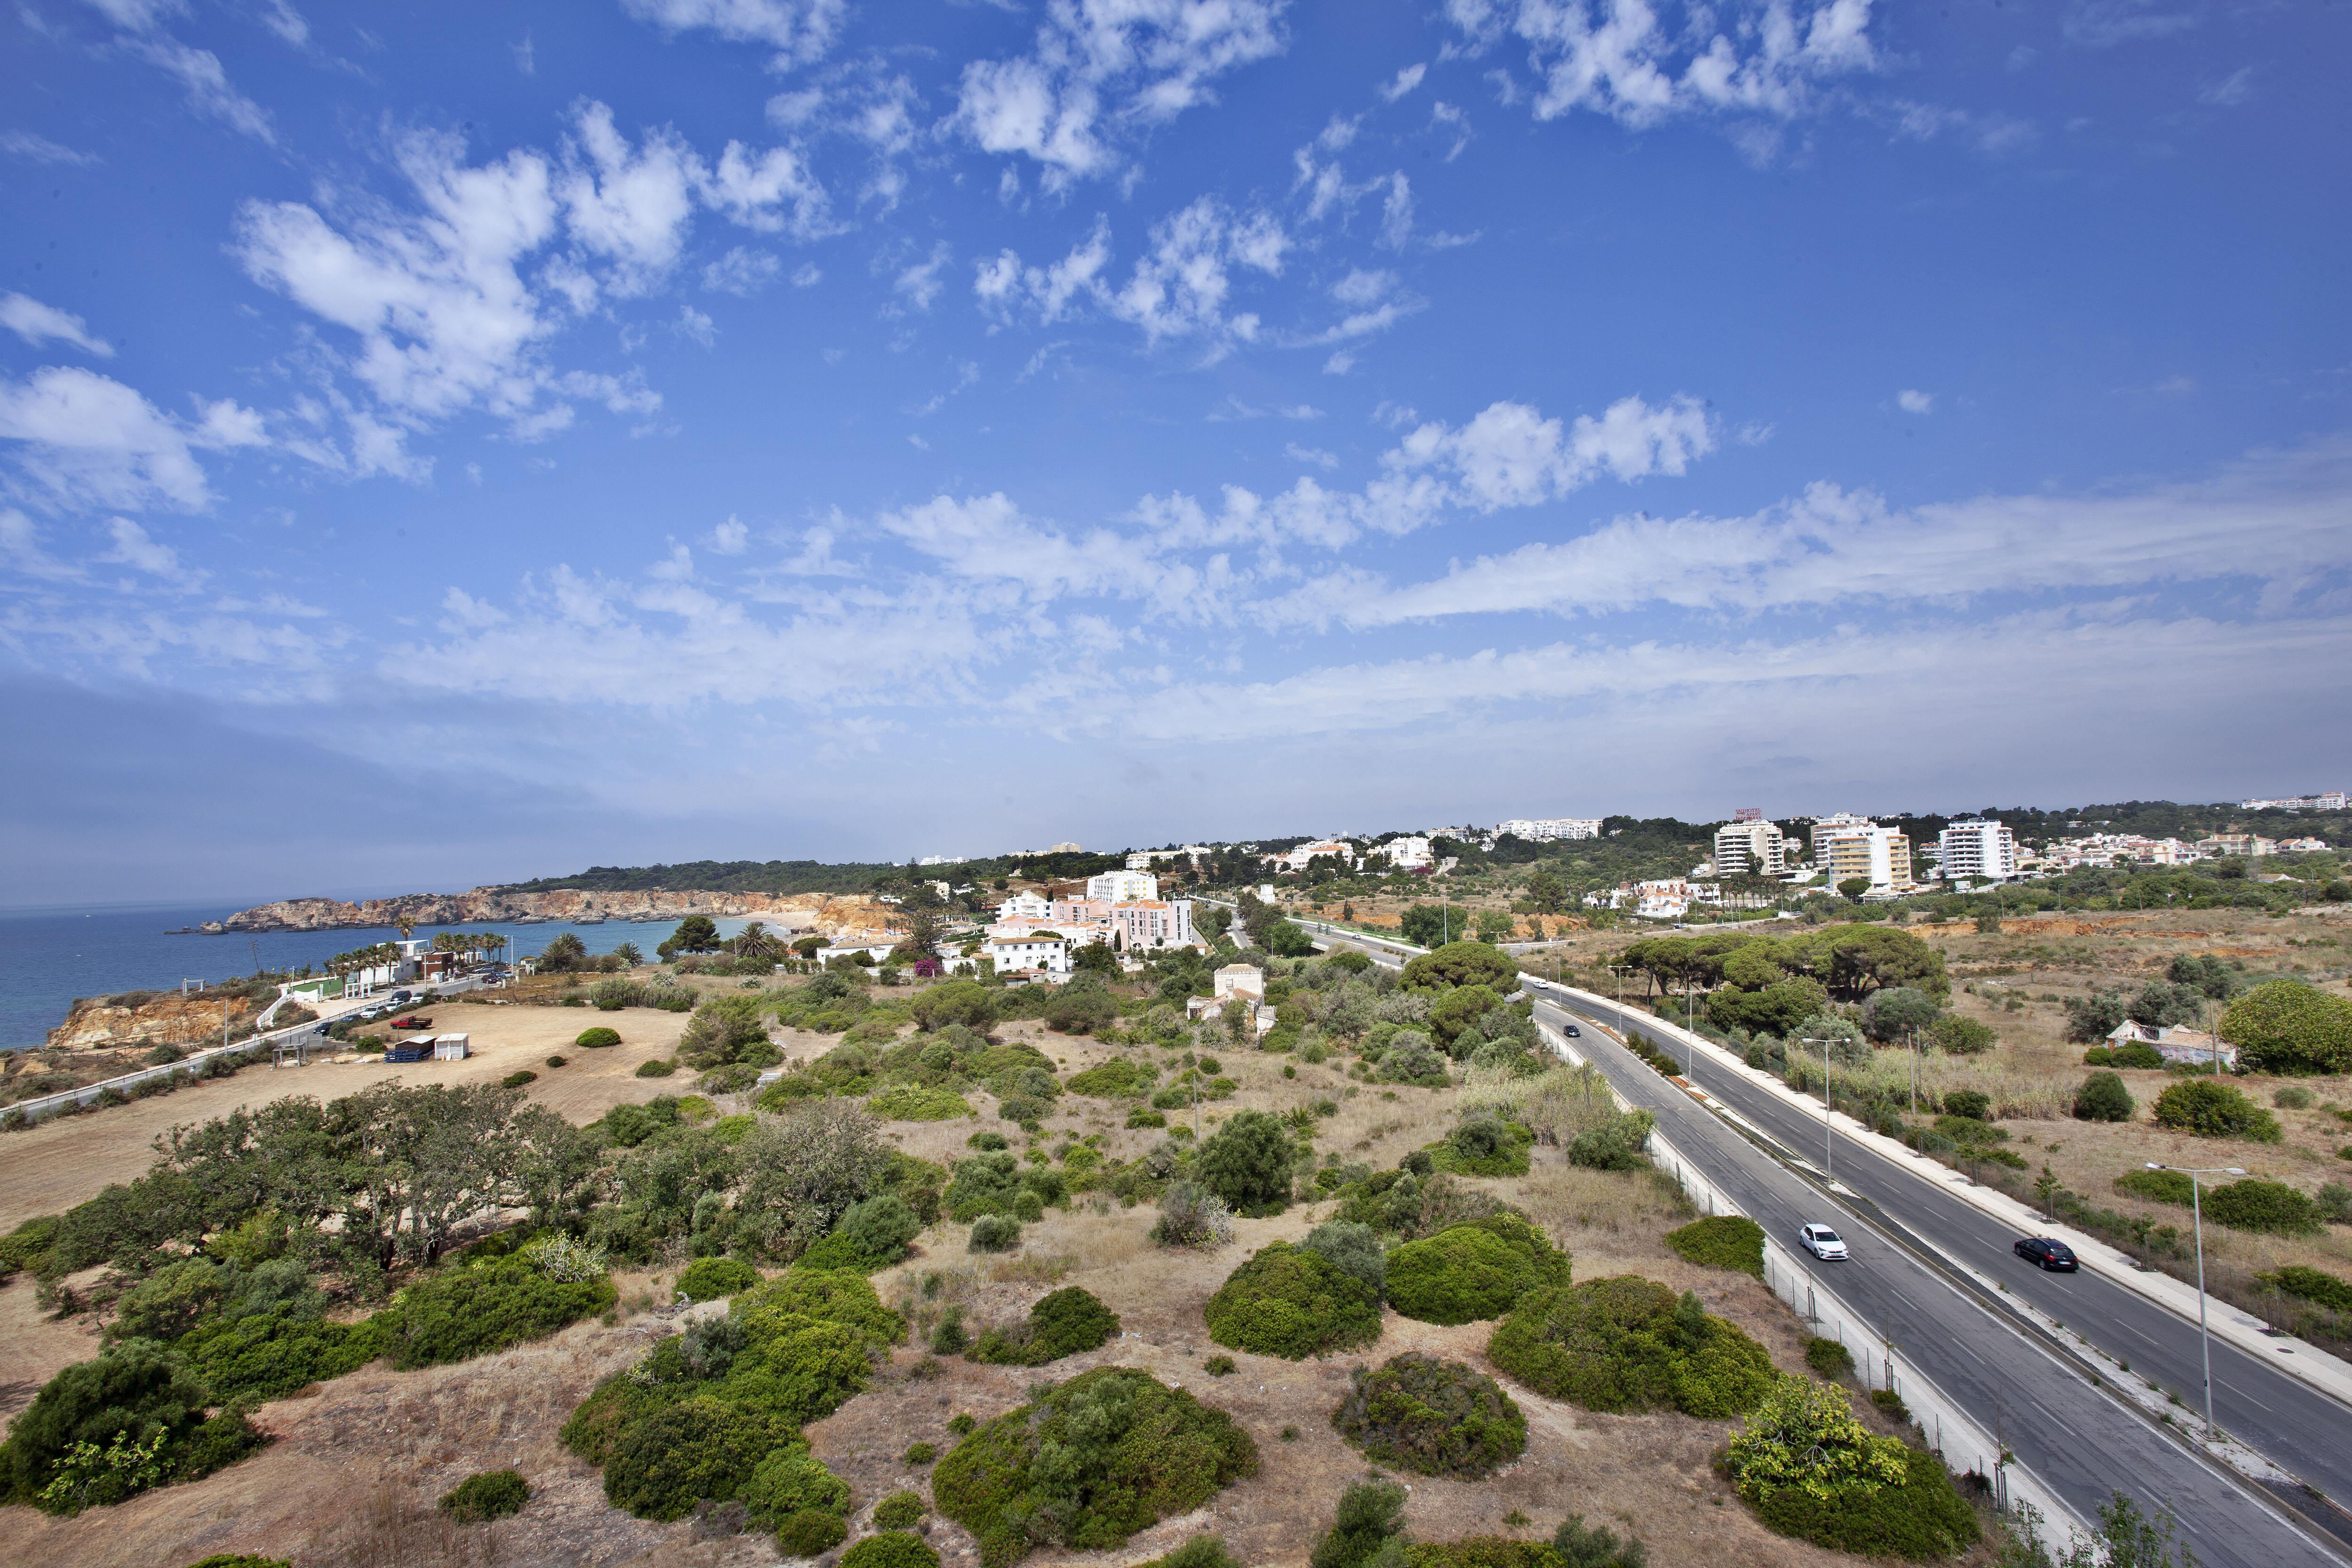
x=2196, y=1207
x=1829, y=1167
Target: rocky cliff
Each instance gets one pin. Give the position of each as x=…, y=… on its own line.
x=487, y=906
x=103, y=1023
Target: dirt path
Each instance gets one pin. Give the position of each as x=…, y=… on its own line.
x=50, y=1168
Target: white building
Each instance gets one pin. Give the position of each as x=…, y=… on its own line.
x=1338, y=848
x=1409, y=853
x=1546, y=828
x=1025, y=905
x=1845, y=847
x=1749, y=849
x=2330, y=800
x=1146, y=923
x=1984, y=850
x=1038, y=952
x=1123, y=887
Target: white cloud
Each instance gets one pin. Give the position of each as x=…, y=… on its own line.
x=209, y=93
x=2277, y=517
x=693, y=323
x=1912, y=402
x=919, y=283
x=1444, y=117
x=135, y=549
x=1340, y=363
x=20, y=546
x=1314, y=455
x=91, y=442
x=281, y=19
x=1182, y=287
x=742, y=272
x=2102, y=23
x=1625, y=59
x=138, y=16
x=2229, y=91
x=730, y=538
x=41, y=149
x=1403, y=82
x=1101, y=66
x=629, y=205
x=806, y=276
x=37, y=323
x=1003, y=286
x=799, y=30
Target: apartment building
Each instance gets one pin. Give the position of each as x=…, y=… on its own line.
x=1142, y=924
x=1984, y=850
x=1752, y=848
x=1546, y=828
x=1119, y=887
x=1845, y=847
x=1408, y=853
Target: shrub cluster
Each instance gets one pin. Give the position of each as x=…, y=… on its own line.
x=2104, y=1098
x=709, y=1414
x=1118, y=1078
x=596, y=1037
x=1352, y=1248
x=104, y=1430
x=1477, y=1269
x=914, y=1102
x=2212, y=1109
x=1439, y=1417
x=460, y=1313
x=1088, y=1464
x=1722, y=1241
x=1812, y=1472
x=1062, y=1323
x=709, y=1278
x=2312, y=1285
x=1626, y=1343
x=1191, y=1216
x=2252, y=1204
x=805, y=1504
x=486, y=1495
x=2287, y=1026
x=2137, y=1054
x=1292, y=1302
x=891, y=1549
x=1484, y=1145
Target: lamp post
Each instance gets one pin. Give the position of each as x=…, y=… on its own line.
x=1829, y=1167
x=1690, y=1035
x=2196, y=1207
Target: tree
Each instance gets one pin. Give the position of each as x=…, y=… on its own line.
x=1286, y=939
x=1494, y=925
x=1461, y=963
x=2091, y=1019
x=629, y=953
x=695, y=933
x=804, y=1169
x=1457, y=1010
x=1854, y=887
x=2286, y=1027
x=756, y=940
x=1247, y=1162
x=2161, y=1002
x=416, y=1161
x=1370, y=1514
x=1212, y=921
x=1096, y=958
x=1892, y=1015
x=2208, y=973
x=566, y=954
x=1424, y=925
x=1548, y=892
x=2104, y=1098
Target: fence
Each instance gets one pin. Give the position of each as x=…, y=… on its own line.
x=1955, y=1435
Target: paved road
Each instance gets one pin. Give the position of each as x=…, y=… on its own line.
x=2298, y=1428
x=2081, y=1442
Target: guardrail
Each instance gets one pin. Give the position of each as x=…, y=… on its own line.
x=193, y=1064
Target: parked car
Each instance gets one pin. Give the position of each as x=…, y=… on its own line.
x=398, y=997
x=369, y=1014
x=2048, y=1253
x=413, y=1021
x=1823, y=1242
x=1574, y=1033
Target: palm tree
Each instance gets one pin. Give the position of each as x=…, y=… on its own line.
x=755, y=941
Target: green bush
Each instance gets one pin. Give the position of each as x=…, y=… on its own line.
x=881, y=1227
x=1722, y=1241
x=2290, y=1098
x=518, y=1077
x=1200, y=1552
x=789, y=1483
x=1370, y=1515
x=986, y=1183
x=682, y=1452
x=1246, y=1161
x=658, y=1067
x=899, y=1510
x=891, y=1549
x=1829, y=1357
x=1958, y=1036
x=921, y=1452
x=1614, y=1145
x=1439, y=1417
x=1118, y=1078
x=1483, y=1146
x=486, y=1495
x=2155, y=1186
x=993, y=1233
x=2287, y=1026
x=809, y=1532
x=1468, y=1272
x=1292, y=1302
x=709, y=1278
x=2212, y=1109
x=240, y=1559
x=1352, y=1248
x=597, y=1037
x=1063, y=1323
x=254, y=1356
x=2257, y=1204
x=913, y=1102
x=783, y=1304
x=2104, y=1098
x=1091, y=1462
x=1143, y=1116
x=104, y=1430
x=460, y=1313
x=1626, y=1343
x=1972, y=1103
x=594, y=1428
x=1814, y=1472
x=1219, y=1366
x=1595, y=1546
x=2312, y=1285
x=2137, y=1054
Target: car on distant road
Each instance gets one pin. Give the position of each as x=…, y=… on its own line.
x=1822, y=1241
x=369, y=1014
x=1574, y=1033
x=2047, y=1252
x=398, y=997
x=413, y=1021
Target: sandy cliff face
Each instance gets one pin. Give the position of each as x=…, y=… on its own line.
x=94, y=1023
x=485, y=906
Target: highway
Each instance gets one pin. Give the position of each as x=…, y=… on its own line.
x=2294, y=1426
x=2081, y=1441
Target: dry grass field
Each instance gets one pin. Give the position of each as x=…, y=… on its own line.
x=357, y=1462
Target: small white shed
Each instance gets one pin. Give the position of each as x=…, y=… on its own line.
x=451, y=1047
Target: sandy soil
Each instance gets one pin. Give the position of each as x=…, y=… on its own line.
x=50, y=1168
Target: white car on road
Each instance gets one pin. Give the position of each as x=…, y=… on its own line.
x=1823, y=1242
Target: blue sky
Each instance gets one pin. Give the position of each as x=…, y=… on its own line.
x=442, y=444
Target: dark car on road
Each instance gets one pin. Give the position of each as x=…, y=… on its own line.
x=2048, y=1253
x=1574, y=1033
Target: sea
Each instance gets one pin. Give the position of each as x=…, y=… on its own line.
x=49, y=957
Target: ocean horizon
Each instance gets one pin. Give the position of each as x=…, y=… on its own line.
x=51, y=954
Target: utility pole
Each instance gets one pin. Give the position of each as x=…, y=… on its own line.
x=1829, y=1167
x=2196, y=1207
